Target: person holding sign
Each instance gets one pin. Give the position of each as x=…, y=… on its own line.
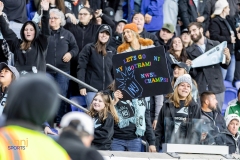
x=222, y=29
x=134, y=114
x=208, y=78
x=177, y=114
x=95, y=63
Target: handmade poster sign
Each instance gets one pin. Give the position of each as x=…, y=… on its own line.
x=142, y=73
x=211, y=57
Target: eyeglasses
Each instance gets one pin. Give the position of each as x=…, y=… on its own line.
x=55, y=18
x=83, y=14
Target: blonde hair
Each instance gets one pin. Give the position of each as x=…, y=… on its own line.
x=175, y=99
x=109, y=107
x=134, y=33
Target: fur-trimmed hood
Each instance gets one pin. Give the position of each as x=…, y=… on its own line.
x=143, y=42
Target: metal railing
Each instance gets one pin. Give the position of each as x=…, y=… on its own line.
x=85, y=85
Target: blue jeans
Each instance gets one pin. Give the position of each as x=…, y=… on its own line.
x=228, y=74
x=133, y=145
x=89, y=98
x=62, y=82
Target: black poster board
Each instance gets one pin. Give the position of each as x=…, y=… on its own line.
x=142, y=73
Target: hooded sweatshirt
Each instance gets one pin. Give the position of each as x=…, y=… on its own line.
x=94, y=68
x=32, y=107
x=33, y=59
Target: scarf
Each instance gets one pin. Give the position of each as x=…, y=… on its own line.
x=133, y=111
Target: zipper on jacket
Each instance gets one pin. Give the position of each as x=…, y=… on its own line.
x=83, y=31
x=55, y=54
x=103, y=74
x=213, y=120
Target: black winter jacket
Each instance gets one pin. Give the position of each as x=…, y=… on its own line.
x=226, y=138
x=103, y=132
x=189, y=12
x=60, y=43
x=144, y=34
x=161, y=42
x=166, y=117
x=219, y=31
x=35, y=56
x=85, y=34
x=75, y=148
x=213, y=126
x=94, y=68
x=204, y=76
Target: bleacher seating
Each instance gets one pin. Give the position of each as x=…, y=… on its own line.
x=230, y=94
x=79, y=100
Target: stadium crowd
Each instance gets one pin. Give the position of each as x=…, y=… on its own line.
x=80, y=37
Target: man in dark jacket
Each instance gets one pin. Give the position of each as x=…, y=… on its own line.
x=165, y=35
x=77, y=136
x=193, y=11
x=207, y=77
x=213, y=122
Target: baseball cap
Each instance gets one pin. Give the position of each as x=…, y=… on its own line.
x=219, y=6
x=181, y=65
x=109, y=12
x=169, y=27
x=86, y=122
x=11, y=68
x=231, y=117
x=122, y=20
x=184, y=31
x=104, y=28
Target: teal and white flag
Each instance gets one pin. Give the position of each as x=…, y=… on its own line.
x=211, y=57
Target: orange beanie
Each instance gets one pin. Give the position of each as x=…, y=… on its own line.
x=131, y=26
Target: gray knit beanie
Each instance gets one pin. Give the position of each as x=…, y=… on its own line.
x=184, y=78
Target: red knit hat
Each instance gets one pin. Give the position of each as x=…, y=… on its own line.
x=131, y=26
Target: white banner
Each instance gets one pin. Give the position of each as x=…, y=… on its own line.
x=211, y=57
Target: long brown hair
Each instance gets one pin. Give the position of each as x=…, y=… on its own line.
x=183, y=56
x=25, y=45
x=101, y=48
x=109, y=107
x=59, y=5
x=174, y=98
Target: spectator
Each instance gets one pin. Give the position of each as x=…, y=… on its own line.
x=5, y=54
x=170, y=12
x=24, y=120
x=75, y=5
x=30, y=52
x=180, y=69
x=55, y=4
x=138, y=19
x=237, y=17
x=127, y=131
x=151, y=9
x=165, y=35
x=177, y=114
x=17, y=14
x=63, y=48
x=235, y=107
x=231, y=136
x=95, y=63
x=104, y=114
x=206, y=80
x=222, y=29
x=84, y=32
x=117, y=35
x=186, y=38
x=77, y=136
x=176, y=53
x=193, y=11
x=213, y=122
x=8, y=74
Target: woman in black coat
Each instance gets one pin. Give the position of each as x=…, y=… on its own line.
x=223, y=29
x=95, y=63
x=175, y=121
x=30, y=52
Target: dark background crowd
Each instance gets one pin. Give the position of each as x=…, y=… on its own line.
x=80, y=37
